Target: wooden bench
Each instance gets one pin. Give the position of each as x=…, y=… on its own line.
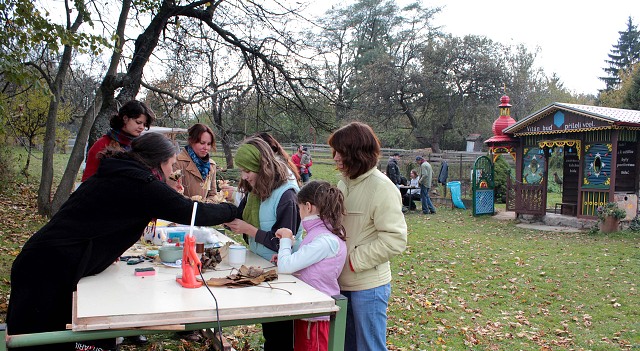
x=572, y=206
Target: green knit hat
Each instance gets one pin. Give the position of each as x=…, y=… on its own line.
x=248, y=157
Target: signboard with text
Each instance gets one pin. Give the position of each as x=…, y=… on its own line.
x=626, y=166
x=562, y=122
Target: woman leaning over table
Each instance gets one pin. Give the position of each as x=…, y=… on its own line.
x=270, y=204
x=376, y=232
x=130, y=121
x=99, y=222
x=198, y=170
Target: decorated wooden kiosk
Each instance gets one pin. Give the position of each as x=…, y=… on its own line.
x=600, y=149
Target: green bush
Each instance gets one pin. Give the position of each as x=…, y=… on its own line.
x=502, y=170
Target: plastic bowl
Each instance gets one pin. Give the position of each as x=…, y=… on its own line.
x=170, y=254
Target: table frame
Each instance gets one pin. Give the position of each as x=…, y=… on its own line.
x=338, y=317
x=336, y=331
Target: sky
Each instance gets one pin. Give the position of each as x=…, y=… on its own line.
x=574, y=36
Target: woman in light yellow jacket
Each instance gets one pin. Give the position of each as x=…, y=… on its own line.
x=376, y=232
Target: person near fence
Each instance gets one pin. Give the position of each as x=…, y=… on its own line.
x=393, y=171
x=303, y=168
x=426, y=177
x=376, y=232
x=413, y=193
x=130, y=121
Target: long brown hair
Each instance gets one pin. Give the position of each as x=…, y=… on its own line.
x=358, y=146
x=280, y=151
x=272, y=173
x=330, y=203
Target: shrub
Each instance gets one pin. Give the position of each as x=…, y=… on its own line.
x=611, y=209
x=502, y=170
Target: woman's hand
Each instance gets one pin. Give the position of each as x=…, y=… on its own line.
x=274, y=259
x=284, y=233
x=228, y=192
x=239, y=226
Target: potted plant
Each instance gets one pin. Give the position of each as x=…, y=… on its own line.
x=610, y=215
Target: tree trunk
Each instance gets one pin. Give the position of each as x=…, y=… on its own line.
x=77, y=154
x=57, y=88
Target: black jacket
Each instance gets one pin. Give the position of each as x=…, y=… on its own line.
x=393, y=171
x=100, y=220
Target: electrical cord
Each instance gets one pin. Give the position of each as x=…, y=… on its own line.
x=217, y=310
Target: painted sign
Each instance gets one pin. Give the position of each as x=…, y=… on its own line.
x=563, y=121
x=533, y=165
x=597, y=166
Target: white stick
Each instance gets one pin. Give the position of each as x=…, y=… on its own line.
x=193, y=217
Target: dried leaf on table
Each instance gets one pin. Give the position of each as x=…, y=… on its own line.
x=246, y=276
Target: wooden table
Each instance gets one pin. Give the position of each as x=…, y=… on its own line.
x=118, y=303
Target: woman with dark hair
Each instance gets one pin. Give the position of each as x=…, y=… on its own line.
x=198, y=170
x=376, y=231
x=132, y=119
x=100, y=221
x=268, y=205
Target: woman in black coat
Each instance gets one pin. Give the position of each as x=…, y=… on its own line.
x=100, y=221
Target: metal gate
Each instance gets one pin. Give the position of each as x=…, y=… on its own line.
x=483, y=186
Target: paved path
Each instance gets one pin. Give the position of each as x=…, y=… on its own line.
x=569, y=224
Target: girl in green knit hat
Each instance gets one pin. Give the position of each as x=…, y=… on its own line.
x=270, y=203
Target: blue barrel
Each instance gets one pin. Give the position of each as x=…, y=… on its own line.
x=454, y=188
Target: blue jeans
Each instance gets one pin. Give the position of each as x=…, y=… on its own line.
x=367, y=319
x=304, y=177
x=427, y=205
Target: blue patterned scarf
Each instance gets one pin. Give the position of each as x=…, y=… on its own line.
x=203, y=164
x=122, y=138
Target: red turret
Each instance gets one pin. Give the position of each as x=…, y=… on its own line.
x=502, y=122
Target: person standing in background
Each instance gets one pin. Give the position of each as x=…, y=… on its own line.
x=198, y=170
x=376, y=232
x=426, y=177
x=393, y=171
x=303, y=168
x=130, y=121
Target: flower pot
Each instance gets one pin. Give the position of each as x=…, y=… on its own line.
x=609, y=225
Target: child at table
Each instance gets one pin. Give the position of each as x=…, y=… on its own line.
x=320, y=258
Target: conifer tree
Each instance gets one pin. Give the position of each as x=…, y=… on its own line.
x=623, y=55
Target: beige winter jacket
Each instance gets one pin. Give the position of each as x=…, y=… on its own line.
x=192, y=179
x=376, y=230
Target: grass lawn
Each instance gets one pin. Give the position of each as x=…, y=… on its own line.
x=464, y=283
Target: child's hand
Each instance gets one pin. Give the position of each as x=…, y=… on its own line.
x=284, y=233
x=274, y=259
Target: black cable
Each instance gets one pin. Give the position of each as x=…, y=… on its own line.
x=217, y=311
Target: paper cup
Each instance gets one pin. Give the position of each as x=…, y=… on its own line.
x=237, y=255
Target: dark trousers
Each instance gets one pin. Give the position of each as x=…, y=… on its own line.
x=408, y=200
x=278, y=336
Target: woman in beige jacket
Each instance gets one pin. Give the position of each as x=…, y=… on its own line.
x=198, y=171
x=376, y=232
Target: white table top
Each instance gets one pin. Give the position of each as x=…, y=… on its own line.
x=116, y=298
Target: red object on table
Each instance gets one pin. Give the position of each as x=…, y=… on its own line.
x=190, y=262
